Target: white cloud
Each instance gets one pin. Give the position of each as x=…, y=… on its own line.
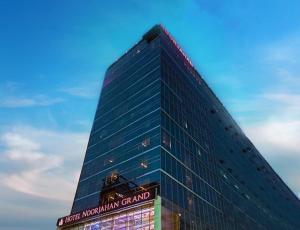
x=274, y=128
x=270, y=117
x=288, y=77
x=289, y=99
x=43, y=161
x=12, y=96
x=280, y=59
x=285, y=50
x=274, y=124
x=39, y=100
x=79, y=92
x=39, y=171
x=87, y=90
x=276, y=136
x=277, y=131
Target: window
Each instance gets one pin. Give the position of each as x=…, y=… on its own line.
x=185, y=125
x=212, y=111
x=144, y=164
x=108, y=161
x=166, y=140
x=199, y=152
x=146, y=142
x=103, y=134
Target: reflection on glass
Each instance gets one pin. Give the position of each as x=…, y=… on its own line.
x=140, y=218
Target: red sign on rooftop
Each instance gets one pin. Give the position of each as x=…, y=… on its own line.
x=189, y=65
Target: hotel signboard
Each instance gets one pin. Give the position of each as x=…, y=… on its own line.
x=142, y=196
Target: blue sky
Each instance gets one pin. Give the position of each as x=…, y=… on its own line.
x=53, y=55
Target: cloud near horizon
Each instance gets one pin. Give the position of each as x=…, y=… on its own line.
x=271, y=117
x=39, y=171
x=275, y=131
x=37, y=162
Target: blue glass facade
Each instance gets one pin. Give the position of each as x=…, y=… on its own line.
x=158, y=121
x=125, y=136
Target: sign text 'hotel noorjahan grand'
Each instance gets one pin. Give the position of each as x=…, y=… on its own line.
x=114, y=205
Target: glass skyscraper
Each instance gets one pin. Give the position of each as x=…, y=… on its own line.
x=164, y=153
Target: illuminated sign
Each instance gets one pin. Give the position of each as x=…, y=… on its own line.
x=111, y=206
x=188, y=64
x=178, y=47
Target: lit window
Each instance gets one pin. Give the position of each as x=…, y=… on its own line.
x=199, y=152
x=142, y=188
x=144, y=164
x=185, y=125
x=113, y=177
x=108, y=161
x=146, y=142
x=120, y=195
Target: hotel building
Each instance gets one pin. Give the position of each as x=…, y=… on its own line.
x=164, y=153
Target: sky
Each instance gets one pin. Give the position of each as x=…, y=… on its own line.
x=53, y=56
